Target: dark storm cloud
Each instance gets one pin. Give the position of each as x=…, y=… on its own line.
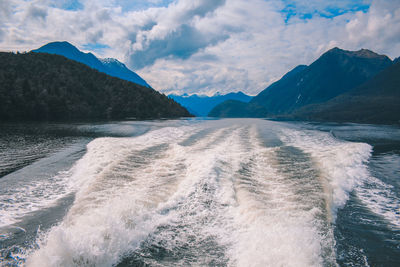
x=94, y=37
x=181, y=39
x=202, y=9
x=37, y=12
x=182, y=43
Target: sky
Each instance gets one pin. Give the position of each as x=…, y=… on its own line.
x=205, y=46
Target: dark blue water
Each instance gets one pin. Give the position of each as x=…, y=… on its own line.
x=367, y=229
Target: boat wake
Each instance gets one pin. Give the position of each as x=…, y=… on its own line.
x=206, y=194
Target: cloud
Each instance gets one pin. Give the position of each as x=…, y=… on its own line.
x=204, y=46
x=5, y=9
x=262, y=46
x=35, y=12
x=173, y=33
x=378, y=29
x=181, y=43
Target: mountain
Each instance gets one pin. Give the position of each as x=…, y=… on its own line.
x=201, y=105
x=375, y=101
x=41, y=86
x=336, y=72
x=109, y=66
x=237, y=109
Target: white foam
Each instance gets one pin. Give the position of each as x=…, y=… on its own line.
x=23, y=194
x=343, y=165
x=273, y=228
x=116, y=206
x=128, y=187
x=381, y=200
x=31, y=197
x=107, y=222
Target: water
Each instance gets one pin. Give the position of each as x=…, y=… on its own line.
x=235, y=192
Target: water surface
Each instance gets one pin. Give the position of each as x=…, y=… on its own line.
x=234, y=192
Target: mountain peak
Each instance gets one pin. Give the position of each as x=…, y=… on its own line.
x=240, y=93
x=110, y=61
x=366, y=53
x=60, y=44
x=336, y=72
x=109, y=66
x=70, y=51
x=362, y=53
x=217, y=94
x=334, y=50
x=64, y=45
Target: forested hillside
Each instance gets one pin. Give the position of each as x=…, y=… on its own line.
x=375, y=101
x=343, y=86
x=36, y=86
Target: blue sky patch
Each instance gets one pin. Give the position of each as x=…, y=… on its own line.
x=129, y=5
x=68, y=5
x=307, y=10
x=97, y=47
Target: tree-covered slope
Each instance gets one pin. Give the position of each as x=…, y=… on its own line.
x=231, y=109
x=303, y=92
x=37, y=86
x=336, y=72
x=375, y=101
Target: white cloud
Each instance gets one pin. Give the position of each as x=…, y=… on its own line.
x=204, y=46
x=378, y=29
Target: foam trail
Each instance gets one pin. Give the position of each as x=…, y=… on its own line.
x=206, y=195
x=31, y=189
x=342, y=164
x=272, y=227
x=122, y=184
x=381, y=200
x=199, y=226
x=100, y=210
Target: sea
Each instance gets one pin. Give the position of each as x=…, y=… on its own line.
x=199, y=192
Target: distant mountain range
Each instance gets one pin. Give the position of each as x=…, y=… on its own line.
x=42, y=86
x=357, y=86
x=201, y=105
x=109, y=66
